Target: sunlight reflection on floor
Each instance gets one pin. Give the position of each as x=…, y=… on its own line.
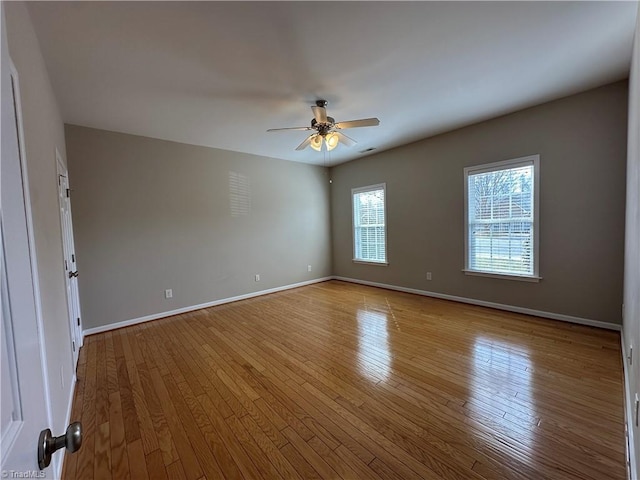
x=501, y=389
x=374, y=356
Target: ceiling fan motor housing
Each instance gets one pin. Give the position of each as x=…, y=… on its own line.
x=325, y=127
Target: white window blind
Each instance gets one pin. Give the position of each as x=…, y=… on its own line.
x=501, y=218
x=369, y=227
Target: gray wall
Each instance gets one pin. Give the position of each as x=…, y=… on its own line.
x=43, y=134
x=631, y=327
x=582, y=145
x=150, y=215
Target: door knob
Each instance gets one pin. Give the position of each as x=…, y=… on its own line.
x=73, y=274
x=47, y=444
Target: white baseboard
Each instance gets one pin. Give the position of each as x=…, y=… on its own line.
x=482, y=303
x=156, y=316
x=632, y=465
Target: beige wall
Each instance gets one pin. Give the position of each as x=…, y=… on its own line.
x=150, y=215
x=582, y=145
x=43, y=134
x=631, y=327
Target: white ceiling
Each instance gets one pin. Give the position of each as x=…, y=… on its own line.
x=220, y=73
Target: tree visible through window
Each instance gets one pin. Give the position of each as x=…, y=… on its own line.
x=501, y=218
x=369, y=228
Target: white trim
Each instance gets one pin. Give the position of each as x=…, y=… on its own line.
x=369, y=188
x=370, y=262
x=32, y=244
x=490, y=167
x=156, y=316
x=482, y=303
x=632, y=463
x=504, y=276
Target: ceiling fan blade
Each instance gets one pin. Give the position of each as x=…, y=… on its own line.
x=320, y=114
x=348, y=141
x=306, y=142
x=289, y=128
x=365, y=122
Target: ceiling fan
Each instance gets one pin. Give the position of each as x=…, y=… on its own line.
x=327, y=131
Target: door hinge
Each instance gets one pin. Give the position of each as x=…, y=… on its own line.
x=68, y=190
x=78, y=321
x=73, y=257
x=74, y=345
x=66, y=266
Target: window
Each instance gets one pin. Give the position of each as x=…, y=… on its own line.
x=369, y=227
x=501, y=219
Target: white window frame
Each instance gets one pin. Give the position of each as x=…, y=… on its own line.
x=369, y=188
x=504, y=165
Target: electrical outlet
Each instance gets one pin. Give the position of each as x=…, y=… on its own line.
x=257, y=277
x=168, y=293
x=428, y=275
x=308, y=268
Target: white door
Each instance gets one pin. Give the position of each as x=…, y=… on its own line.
x=70, y=268
x=24, y=409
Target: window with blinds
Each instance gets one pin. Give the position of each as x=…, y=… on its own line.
x=369, y=224
x=501, y=218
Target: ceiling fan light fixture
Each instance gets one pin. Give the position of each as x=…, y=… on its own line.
x=316, y=143
x=327, y=130
x=331, y=140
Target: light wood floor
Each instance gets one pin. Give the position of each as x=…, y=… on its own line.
x=337, y=380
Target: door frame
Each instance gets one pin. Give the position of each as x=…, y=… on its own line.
x=75, y=331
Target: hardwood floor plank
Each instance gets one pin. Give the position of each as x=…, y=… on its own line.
x=163, y=433
x=347, y=458
x=231, y=443
x=198, y=421
x=175, y=471
x=155, y=466
x=403, y=462
x=102, y=453
x=305, y=407
x=267, y=446
x=303, y=467
x=187, y=455
x=146, y=428
x=260, y=459
x=119, y=457
x=309, y=454
x=129, y=414
x=102, y=394
x=137, y=461
x=110, y=364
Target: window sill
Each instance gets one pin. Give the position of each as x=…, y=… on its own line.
x=369, y=262
x=504, y=276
